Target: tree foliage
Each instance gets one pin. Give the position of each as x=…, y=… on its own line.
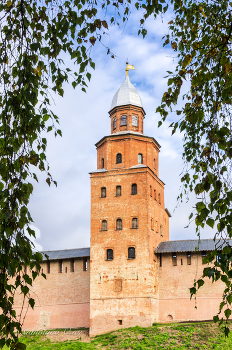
x=34, y=36
x=201, y=35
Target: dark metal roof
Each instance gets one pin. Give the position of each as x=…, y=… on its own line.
x=192, y=245
x=67, y=253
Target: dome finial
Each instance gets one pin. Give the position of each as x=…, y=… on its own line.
x=129, y=66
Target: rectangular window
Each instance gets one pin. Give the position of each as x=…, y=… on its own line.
x=103, y=192
x=118, y=191
x=188, y=258
x=72, y=266
x=160, y=259
x=109, y=254
x=174, y=259
x=60, y=266
x=85, y=265
x=134, y=120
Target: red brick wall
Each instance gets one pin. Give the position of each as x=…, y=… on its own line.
x=61, y=300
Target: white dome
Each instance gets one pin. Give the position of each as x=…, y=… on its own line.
x=126, y=95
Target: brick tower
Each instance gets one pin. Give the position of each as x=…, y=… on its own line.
x=128, y=220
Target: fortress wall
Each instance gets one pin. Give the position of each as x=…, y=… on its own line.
x=62, y=300
x=174, y=296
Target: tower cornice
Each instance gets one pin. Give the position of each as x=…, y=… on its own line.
x=125, y=135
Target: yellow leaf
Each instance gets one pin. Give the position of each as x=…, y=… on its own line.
x=9, y=3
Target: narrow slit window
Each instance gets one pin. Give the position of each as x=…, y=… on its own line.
x=161, y=231
x=134, y=189
x=118, y=158
x=102, y=163
x=174, y=259
x=110, y=254
x=104, y=225
x=135, y=223
x=66, y=269
x=134, y=120
x=48, y=267
x=150, y=191
x=85, y=264
x=118, y=191
x=188, y=258
x=114, y=123
x=123, y=120
x=160, y=260
x=131, y=253
x=140, y=158
x=203, y=254
x=155, y=194
x=60, y=266
x=152, y=224
x=154, y=163
x=72, y=265
x=119, y=224
x=103, y=192
x=159, y=198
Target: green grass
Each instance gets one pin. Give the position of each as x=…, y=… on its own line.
x=158, y=337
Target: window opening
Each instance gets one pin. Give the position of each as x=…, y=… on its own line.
x=134, y=223
x=131, y=253
x=203, y=254
x=60, y=266
x=102, y=163
x=85, y=264
x=118, y=158
x=154, y=163
x=134, y=189
x=134, y=120
x=174, y=259
x=118, y=191
x=48, y=266
x=114, y=123
x=120, y=322
x=188, y=258
x=119, y=224
x=123, y=120
x=110, y=254
x=66, y=269
x=72, y=266
x=103, y=192
x=160, y=259
x=155, y=194
x=161, y=230
x=152, y=224
x=140, y=158
x=181, y=261
x=104, y=225
x=150, y=191
x=159, y=198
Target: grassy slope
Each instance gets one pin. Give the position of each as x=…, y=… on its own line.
x=159, y=337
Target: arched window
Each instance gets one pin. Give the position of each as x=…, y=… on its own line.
x=118, y=158
x=155, y=194
x=114, y=123
x=150, y=191
x=104, y=225
x=134, y=189
x=102, y=163
x=119, y=224
x=134, y=120
x=103, y=192
x=159, y=198
x=134, y=223
x=140, y=158
x=118, y=191
x=131, y=253
x=154, y=163
x=109, y=254
x=123, y=120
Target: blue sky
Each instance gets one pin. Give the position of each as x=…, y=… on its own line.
x=62, y=215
